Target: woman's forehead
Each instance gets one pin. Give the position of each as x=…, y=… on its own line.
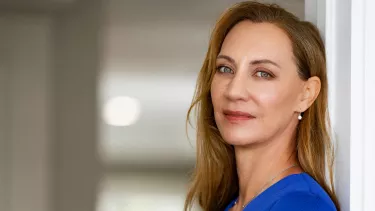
x=261, y=40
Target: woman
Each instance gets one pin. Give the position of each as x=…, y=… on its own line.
x=263, y=132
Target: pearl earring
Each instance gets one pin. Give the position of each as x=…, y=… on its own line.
x=300, y=116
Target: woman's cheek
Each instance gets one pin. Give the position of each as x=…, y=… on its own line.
x=267, y=97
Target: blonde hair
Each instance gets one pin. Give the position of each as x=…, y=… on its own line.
x=215, y=182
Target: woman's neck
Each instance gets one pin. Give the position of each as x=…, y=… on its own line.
x=256, y=165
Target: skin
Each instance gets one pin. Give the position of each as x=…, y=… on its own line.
x=257, y=75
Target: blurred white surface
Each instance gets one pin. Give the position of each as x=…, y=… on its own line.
x=143, y=192
x=121, y=111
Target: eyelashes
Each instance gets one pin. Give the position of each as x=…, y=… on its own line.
x=260, y=72
x=224, y=69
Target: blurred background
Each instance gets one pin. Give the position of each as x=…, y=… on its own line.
x=93, y=101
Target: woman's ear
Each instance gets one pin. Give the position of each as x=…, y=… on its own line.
x=309, y=93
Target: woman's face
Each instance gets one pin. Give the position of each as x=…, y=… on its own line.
x=256, y=89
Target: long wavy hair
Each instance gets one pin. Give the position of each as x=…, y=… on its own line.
x=215, y=181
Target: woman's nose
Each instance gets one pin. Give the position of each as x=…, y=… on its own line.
x=237, y=88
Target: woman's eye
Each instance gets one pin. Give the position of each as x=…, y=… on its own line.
x=262, y=74
x=224, y=69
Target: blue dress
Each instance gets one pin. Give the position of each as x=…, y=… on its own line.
x=296, y=192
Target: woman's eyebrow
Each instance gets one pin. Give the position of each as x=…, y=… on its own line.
x=264, y=61
x=254, y=62
x=230, y=59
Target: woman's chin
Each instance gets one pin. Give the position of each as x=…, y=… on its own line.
x=239, y=140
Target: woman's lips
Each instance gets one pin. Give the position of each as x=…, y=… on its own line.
x=235, y=116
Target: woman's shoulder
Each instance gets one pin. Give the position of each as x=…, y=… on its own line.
x=302, y=200
x=303, y=193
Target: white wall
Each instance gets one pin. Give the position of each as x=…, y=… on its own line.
x=362, y=104
x=339, y=64
x=334, y=22
x=26, y=47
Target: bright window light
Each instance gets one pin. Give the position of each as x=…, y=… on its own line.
x=121, y=111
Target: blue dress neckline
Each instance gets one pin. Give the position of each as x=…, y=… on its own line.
x=279, y=185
